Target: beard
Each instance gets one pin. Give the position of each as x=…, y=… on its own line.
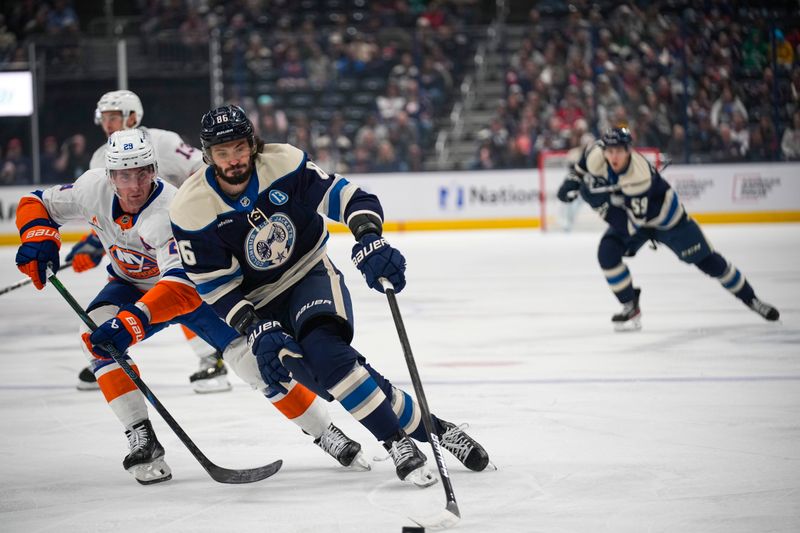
x=235, y=175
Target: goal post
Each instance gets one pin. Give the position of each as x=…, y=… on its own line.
x=556, y=215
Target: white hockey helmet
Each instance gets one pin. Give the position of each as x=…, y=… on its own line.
x=124, y=101
x=130, y=149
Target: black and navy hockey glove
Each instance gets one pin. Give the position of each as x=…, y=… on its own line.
x=270, y=344
x=568, y=192
x=127, y=328
x=376, y=259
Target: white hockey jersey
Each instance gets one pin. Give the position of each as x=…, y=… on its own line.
x=176, y=159
x=140, y=247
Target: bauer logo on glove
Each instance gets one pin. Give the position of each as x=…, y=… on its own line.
x=376, y=259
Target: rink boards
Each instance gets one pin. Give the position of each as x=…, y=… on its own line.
x=741, y=193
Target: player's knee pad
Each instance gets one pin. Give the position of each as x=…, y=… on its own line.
x=240, y=359
x=327, y=354
x=714, y=265
x=686, y=240
x=610, y=251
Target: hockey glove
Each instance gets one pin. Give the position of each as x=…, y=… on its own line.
x=568, y=192
x=86, y=253
x=270, y=344
x=121, y=332
x=597, y=200
x=376, y=259
x=40, y=245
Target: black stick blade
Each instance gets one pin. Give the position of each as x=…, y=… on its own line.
x=250, y=475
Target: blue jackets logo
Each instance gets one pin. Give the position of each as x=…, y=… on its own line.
x=269, y=245
x=278, y=197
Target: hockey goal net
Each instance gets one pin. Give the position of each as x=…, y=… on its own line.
x=558, y=216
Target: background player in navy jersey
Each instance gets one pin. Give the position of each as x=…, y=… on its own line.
x=639, y=206
x=251, y=234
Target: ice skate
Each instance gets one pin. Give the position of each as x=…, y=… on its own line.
x=86, y=380
x=212, y=376
x=146, y=459
x=466, y=449
x=409, y=460
x=764, y=309
x=630, y=318
x=342, y=448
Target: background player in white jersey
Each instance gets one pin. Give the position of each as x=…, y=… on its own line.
x=640, y=206
x=148, y=290
x=120, y=110
x=251, y=235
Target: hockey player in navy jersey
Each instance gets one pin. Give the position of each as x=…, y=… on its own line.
x=147, y=289
x=252, y=237
x=640, y=206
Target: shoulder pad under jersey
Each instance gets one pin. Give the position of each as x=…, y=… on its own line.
x=276, y=161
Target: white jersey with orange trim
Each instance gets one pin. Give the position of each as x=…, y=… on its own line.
x=176, y=159
x=141, y=246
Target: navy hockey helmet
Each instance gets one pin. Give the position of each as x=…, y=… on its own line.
x=224, y=124
x=620, y=136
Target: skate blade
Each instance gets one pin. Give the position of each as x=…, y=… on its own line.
x=360, y=463
x=87, y=385
x=422, y=477
x=634, y=324
x=150, y=473
x=208, y=386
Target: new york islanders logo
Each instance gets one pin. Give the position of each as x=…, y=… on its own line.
x=270, y=243
x=134, y=264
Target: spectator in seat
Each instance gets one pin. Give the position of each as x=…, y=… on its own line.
x=723, y=108
x=790, y=143
x=17, y=168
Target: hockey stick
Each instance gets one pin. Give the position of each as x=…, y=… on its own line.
x=450, y=515
x=27, y=281
x=217, y=473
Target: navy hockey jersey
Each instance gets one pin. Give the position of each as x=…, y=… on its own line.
x=644, y=198
x=254, y=247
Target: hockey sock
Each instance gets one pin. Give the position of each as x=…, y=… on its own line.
x=728, y=275
x=406, y=409
x=336, y=366
x=620, y=282
x=410, y=416
x=302, y=407
x=360, y=395
x=121, y=394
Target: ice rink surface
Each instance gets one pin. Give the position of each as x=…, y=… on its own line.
x=691, y=425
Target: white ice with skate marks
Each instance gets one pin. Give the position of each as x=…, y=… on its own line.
x=690, y=425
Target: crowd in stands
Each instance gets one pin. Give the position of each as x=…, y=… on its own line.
x=360, y=92
x=376, y=75
x=703, y=86
x=364, y=85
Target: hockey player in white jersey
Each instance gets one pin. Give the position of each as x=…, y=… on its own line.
x=127, y=205
x=120, y=110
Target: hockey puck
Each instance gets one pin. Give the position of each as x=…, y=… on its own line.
x=413, y=529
